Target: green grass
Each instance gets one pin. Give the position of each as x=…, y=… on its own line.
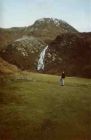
x=36, y=107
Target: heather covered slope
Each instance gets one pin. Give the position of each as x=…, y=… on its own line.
x=70, y=52
x=6, y=68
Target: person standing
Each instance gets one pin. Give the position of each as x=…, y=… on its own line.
x=62, y=78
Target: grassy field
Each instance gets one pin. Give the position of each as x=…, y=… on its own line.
x=35, y=107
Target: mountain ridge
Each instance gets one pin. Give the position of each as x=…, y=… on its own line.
x=46, y=32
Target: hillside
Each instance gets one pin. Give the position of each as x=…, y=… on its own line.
x=24, y=52
x=49, y=46
x=70, y=52
x=7, y=36
x=6, y=68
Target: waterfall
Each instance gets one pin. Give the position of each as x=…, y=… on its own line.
x=41, y=59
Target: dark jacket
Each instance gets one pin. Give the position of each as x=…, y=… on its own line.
x=63, y=75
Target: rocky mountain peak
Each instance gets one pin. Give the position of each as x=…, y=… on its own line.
x=57, y=23
x=47, y=29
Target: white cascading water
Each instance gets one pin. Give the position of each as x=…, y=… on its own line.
x=41, y=59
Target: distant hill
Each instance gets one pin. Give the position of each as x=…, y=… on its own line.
x=46, y=29
x=7, y=36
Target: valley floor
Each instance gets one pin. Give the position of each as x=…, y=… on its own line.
x=35, y=107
